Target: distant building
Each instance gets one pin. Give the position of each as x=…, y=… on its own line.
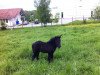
x=12, y=16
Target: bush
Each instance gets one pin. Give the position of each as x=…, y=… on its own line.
x=3, y=25
x=56, y=20
x=76, y=22
x=80, y=22
x=84, y=21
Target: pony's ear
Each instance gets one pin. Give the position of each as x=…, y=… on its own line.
x=60, y=35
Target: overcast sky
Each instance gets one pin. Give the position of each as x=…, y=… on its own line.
x=69, y=7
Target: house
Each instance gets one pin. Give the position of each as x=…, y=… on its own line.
x=12, y=16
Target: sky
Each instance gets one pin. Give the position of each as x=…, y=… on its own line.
x=70, y=8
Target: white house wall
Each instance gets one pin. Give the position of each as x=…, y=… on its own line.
x=9, y=23
x=19, y=18
x=12, y=21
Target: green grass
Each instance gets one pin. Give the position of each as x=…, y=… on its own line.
x=79, y=54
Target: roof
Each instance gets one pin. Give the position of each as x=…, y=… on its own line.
x=9, y=13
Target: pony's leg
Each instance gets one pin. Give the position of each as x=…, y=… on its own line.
x=34, y=56
x=37, y=55
x=50, y=57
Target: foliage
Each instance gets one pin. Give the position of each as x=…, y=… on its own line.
x=30, y=15
x=79, y=54
x=76, y=22
x=43, y=11
x=3, y=25
x=96, y=14
x=56, y=19
x=80, y=22
x=84, y=21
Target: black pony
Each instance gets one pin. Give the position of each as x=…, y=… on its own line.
x=46, y=47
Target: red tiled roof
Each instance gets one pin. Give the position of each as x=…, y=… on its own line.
x=9, y=13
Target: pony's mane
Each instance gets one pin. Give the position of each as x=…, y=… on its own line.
x=52, y=40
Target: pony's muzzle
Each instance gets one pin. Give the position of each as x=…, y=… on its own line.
x=59, y=46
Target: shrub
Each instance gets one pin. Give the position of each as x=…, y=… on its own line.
x=3, y=25
x=55, y=20
x=84, y=21
x=76, y=22
x=80, y=22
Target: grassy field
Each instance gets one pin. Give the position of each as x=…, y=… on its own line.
x=79, y=54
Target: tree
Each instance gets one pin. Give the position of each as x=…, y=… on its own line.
x=30, y=15
x=96, y=14
x=56, y=18
x=43, y=11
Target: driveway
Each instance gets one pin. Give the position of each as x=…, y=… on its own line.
x=32, y=25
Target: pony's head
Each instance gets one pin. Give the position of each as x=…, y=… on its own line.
x=58, y=41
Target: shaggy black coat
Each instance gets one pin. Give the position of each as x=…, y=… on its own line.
x=46, y=47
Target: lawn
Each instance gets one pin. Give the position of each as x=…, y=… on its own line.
x=79, y=54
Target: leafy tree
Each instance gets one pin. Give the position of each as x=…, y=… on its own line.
x=30, y=15
x=56, y=18
x=43, y=11
x=96, y=14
